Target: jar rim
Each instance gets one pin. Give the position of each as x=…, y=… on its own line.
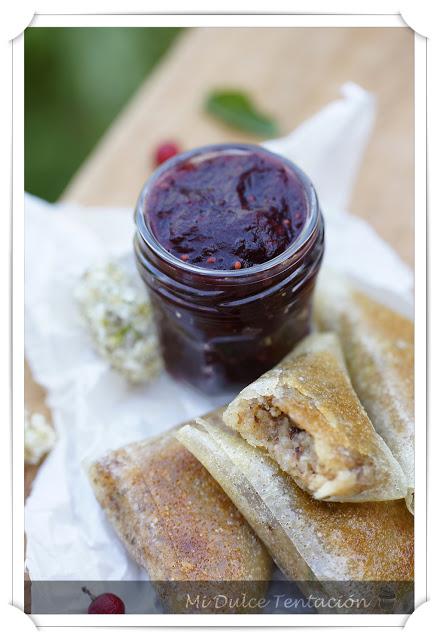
x=313, y=214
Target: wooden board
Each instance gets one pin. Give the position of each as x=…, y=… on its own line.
x=291, y=73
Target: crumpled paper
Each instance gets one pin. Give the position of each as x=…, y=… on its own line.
x=93, y=408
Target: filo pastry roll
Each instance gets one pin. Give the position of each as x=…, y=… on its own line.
x=308, y=539
x=174, y=518
x=305, y=414
x=378, y=345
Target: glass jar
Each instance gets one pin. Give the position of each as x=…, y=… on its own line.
x=221, y=329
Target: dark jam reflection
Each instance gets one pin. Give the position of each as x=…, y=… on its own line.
x=227, y=211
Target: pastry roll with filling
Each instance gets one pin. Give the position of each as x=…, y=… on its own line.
x=308, y=539
x=378, y=345
x=175, y=519
x=305, y=415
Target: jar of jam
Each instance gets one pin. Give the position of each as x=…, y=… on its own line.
x=229, y=242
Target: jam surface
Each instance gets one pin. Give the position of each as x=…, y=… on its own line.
x=228, y=210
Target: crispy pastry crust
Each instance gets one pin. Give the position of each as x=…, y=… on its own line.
x=306, y=415
x=378, y=346
x=308, y=539
x=173, y=517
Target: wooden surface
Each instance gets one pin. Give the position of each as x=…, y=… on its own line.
x=291, y=73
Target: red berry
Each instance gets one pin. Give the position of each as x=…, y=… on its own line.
x=105, y=603
x=165, y=151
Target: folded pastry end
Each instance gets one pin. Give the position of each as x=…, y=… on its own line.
x=305, y=414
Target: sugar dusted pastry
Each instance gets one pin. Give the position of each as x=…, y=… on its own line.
x=378, y=345
x=308, y=539
x=305, y=414
x=174, y=518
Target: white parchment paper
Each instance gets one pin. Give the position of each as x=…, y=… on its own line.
x=93, y=408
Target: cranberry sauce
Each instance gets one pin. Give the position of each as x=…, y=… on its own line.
x=229, y=242
x=227, y=211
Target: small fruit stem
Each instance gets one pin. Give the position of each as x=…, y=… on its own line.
x=89, y=593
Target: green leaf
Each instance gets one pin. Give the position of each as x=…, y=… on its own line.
x=236, y=109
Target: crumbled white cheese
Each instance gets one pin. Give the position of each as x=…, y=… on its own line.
x=116, y=308
x=39, y=437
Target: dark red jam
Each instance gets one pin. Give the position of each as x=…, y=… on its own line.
x=228, y=211
x=229, y=242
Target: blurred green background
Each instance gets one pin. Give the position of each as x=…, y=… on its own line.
x=76, y=82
